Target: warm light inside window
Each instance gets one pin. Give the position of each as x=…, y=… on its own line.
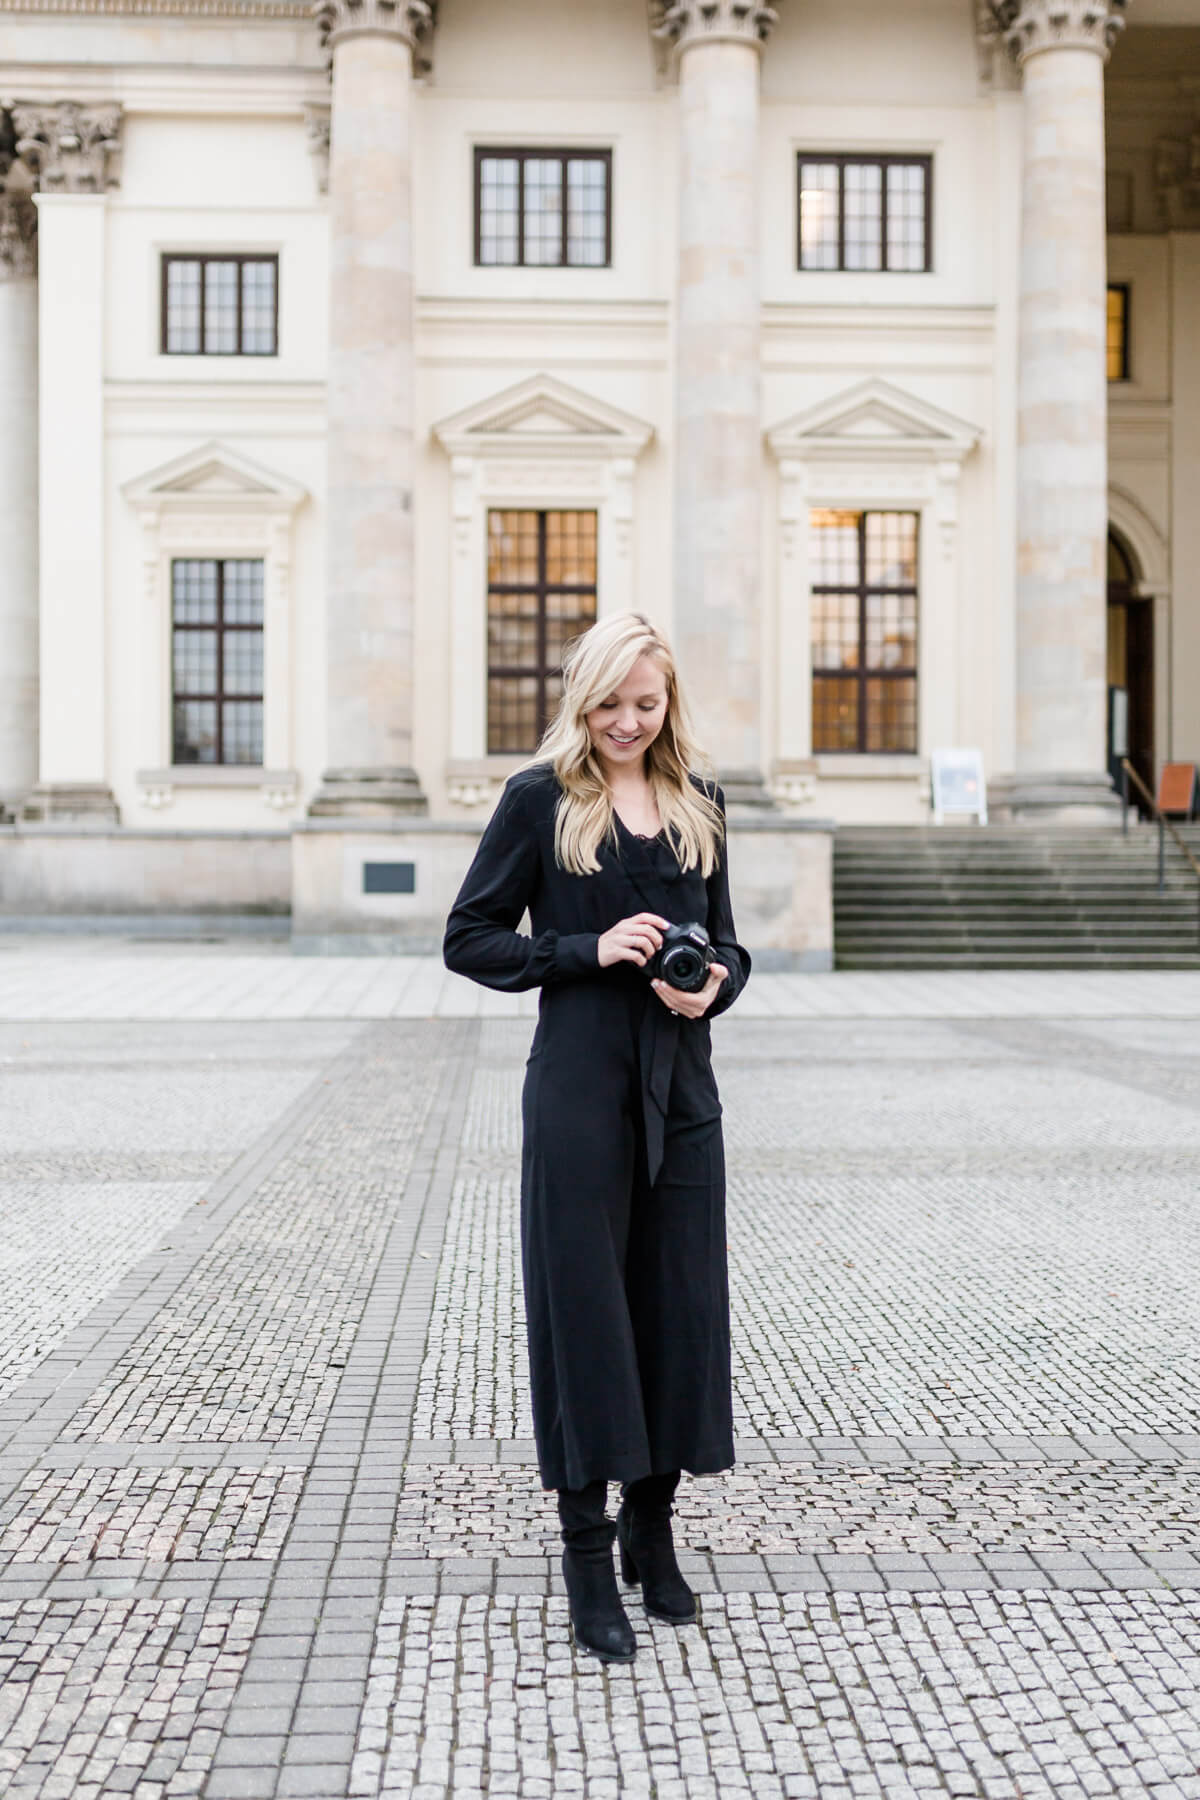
x=1118, y=333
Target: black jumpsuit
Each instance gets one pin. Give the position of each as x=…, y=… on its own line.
x=623, y=1169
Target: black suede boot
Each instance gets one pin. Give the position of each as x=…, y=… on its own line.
x=598, y=1619
x=648, y=1550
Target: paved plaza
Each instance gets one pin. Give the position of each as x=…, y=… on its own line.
x=269, y=1517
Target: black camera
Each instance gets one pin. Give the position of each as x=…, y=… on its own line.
x=683, y=962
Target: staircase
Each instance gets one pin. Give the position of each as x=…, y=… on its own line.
x=1011, y=897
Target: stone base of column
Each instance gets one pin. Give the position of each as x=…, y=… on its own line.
x=368, y=794
x=1054, y=798
x=89, y=802
x=746, y=787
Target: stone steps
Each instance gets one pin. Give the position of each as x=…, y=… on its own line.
x=1003, y=897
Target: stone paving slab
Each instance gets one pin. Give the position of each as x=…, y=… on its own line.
x=269, y=1517
x=112, y=978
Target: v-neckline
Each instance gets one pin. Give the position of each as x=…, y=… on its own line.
x=640, y=837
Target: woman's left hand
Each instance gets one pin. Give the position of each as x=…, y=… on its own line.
x=692, y=1006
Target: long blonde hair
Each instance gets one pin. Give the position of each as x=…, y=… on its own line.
x=594, y=666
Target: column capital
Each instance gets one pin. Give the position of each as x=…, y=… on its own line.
x=1029, y=27
x=410, y=21
x=682, y=23
x=69, y=148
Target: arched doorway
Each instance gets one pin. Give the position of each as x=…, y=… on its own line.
x=1130, y=667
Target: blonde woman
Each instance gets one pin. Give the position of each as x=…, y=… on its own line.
x=608, y=837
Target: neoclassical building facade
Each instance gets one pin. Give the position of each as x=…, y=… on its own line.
x=354, y=357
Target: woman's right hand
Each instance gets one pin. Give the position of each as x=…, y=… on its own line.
x=633, y=940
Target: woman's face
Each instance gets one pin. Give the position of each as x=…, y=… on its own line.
x=628, y=720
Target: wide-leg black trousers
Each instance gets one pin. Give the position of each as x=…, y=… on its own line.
x=626, y=1283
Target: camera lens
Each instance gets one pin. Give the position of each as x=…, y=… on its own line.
x=682, y=968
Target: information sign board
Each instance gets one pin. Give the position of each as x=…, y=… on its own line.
x=1177, y=789
x=958, y=784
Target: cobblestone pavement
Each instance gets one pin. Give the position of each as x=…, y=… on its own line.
x=269, y=1514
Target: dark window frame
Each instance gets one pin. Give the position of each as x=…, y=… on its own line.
x=1124, y=288
x=204, y=258
x=220, y=626
x=523, y=153
x=857, y=159
x=540, y=589
x=862, y=674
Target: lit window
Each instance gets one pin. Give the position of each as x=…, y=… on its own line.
x=541, y=595
x=1118, y=332
x=864, y=630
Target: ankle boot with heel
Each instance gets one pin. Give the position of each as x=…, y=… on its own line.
x=598, y=1619
x=648, y=1548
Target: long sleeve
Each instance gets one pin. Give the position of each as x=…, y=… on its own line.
x=481, y=937
x=722, y=931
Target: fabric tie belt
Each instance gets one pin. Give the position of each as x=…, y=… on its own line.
x=658, y=1040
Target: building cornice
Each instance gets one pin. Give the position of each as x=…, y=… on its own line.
x=249, y=10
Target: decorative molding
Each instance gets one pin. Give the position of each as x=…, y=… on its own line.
x=1177, y=179
x=874, y=423
x=682, y=23
x=159, y=788
x=1144, y=537
x=793, y=781
x=997, y=69
x=317, y=129
x=411, y=21
x=1029, y=27
x=18, y=235
x=471, y=787
x=69, y=148
x=214, y=479
x=543, y=415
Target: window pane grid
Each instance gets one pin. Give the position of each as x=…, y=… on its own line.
x=541, y=596
x=543, y=208
x=864, y=213
x=217, y=660
x=864, y=630
x=220, y=305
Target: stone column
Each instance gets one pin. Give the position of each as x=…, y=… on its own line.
x=18, y=490
x=1061, y=47
x=718, y=414
x=73, y=152
x=369, y=600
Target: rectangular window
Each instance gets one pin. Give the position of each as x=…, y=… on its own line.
x=864, y=212
x=1118, y=331
x=220, y=305
x=541, y=594
x=543, y=208
x=864, y=630
x=217, y=660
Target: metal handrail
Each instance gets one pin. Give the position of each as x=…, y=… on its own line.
x=1164, y=825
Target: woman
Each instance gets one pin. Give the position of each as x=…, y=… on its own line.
x=608, y=837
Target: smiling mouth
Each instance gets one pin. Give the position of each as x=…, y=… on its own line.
x=624, y=742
